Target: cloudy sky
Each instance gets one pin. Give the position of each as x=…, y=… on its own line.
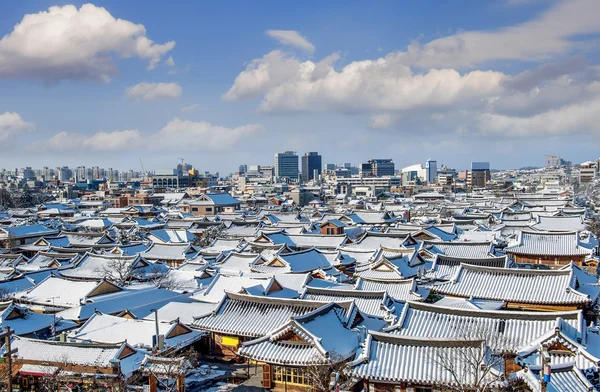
x=225, y=83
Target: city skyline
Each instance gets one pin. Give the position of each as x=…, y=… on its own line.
x=164, y=87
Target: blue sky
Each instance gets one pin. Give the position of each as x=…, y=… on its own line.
x=231, y=82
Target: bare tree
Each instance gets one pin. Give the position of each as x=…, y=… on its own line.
x=478, y=366
x=118, y=270
x=164, y=280
x=323, y=372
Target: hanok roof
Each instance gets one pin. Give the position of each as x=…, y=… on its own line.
x=252, y=316
x=401, y=290
x=103, y=328
x=470, y=250
x=372, y=303
x=444, y=267
x=95, y=266
x=66, y=293
x=423, y=320
x=138, y=302
x=295, y=263
x=88, y=239
x=321, y=336
x=43, y=260
x=548, y=244
x=97, y=355
x=381, y=360
x=171, y=236
x=373, y=240
x=27, y=231
x=551, y=287
x=169, y=252
x=559, y=223
x=276, y=286
x=303, y=241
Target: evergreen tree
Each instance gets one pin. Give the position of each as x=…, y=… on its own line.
x=6, y=200
x=26, y=198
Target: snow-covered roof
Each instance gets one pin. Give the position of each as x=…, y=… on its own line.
x=548, y=244
x=319, y=337
x=66, y=293
x=232, y=314
x=103, y=328
x=550, y=287
x=422, y=320
x=379, y=361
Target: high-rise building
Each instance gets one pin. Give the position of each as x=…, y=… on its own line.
x=243, y=169
x=378, y=168
x=479, y=174
x=286, y=165
x=431, y=170
x=311, y=166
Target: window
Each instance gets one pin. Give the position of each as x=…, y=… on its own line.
x=195, y=209
x=290, y=375
x=208, y=209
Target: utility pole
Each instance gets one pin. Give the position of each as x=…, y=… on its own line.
x=7, y=335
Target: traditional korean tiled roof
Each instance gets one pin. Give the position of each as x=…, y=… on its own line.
x=62, y=292
x=516, y=328
x=548, y=244
x=374, y=240
x=275, y=286
x=550, y=287
x=252, y=316
x=70, y=353
x=103, y=328
x=445, y=267
x=372, y=303
x=95, y=266
x=139, y=302
x=172, y=236
x=321, y=336
x=169, y=251
x=303, y=241
x=559, y=223
x=382, y=360
x=468, y=250
x=297, y=262
x=28, y=231
x=402, y=290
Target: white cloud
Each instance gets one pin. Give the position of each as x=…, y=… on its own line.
x=11, y=124
x=100, y=141
x=170, y=62
x=288, y=84
x=201, y=135
x=153, y=91
x=551, y=34
x=190, y=108
x=570, y=119
x=70, y=43
x=176, y=134
x=292, y=38
x=381, y=121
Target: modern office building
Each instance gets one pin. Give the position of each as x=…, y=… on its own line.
x=286, y=165
x=378, y=168
x=431, y=171
x=311, y=166
x=243, y=169
x=479, y=174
